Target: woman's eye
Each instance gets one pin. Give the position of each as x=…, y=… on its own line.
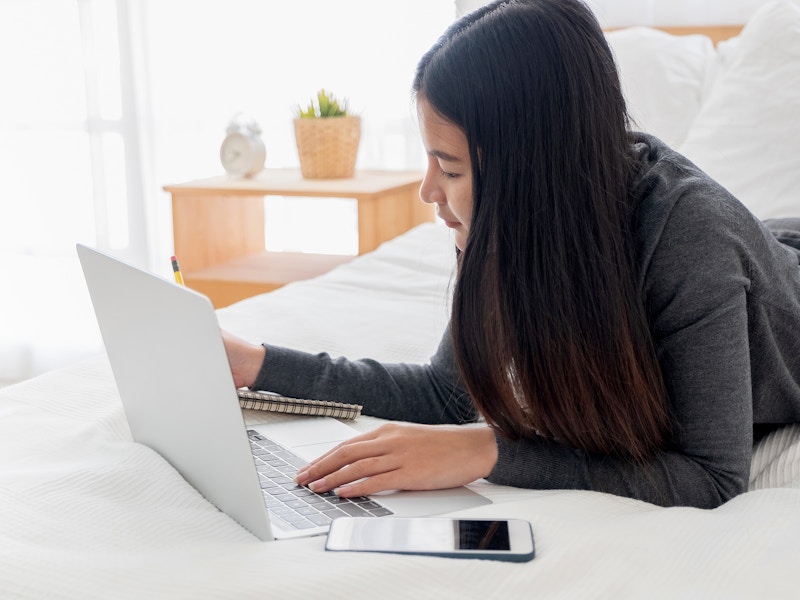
x=448, y=175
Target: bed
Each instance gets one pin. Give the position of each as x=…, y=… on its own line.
x=87, y=513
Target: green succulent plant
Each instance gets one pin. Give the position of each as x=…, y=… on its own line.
x=324, y=105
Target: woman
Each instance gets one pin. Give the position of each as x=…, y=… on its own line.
x=620, y=322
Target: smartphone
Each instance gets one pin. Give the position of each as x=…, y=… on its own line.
x=508, y=540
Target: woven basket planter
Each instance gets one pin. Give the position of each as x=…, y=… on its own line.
x=328, y=146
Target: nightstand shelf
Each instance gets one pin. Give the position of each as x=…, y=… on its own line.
x=218, y=226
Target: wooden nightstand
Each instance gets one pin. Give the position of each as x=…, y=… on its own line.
x=218, y=225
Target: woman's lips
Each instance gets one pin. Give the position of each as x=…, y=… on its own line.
x=449, y=222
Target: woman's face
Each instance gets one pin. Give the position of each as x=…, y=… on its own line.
x=448, y=179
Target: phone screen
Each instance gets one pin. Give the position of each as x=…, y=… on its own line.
x=482, y=535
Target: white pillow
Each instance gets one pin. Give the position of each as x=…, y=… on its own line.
x=662, y=77
x=747, y=133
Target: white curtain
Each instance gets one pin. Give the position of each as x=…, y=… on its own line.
x=107, y=101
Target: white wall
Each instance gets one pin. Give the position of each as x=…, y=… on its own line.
x=621, y=13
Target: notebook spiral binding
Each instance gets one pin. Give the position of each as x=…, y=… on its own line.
x=259, y=400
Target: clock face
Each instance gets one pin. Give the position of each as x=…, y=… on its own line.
x=236, y=154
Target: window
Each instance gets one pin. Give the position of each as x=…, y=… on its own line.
x=106, y=101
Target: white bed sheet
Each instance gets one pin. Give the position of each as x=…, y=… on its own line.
x=86, y=513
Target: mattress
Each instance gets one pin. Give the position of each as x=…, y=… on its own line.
x=87, y=513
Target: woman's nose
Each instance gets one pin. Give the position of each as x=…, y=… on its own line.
x=429, y=192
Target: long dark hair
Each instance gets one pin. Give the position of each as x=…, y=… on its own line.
x=550, y=332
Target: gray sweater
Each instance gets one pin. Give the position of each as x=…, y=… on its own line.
x=722, y=290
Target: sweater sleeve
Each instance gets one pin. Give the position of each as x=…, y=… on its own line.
x=431, y=393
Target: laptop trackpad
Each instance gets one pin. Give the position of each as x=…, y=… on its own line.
x=430, y=502
x=307, y=438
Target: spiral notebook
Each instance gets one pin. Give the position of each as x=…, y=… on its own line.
x=258, y=400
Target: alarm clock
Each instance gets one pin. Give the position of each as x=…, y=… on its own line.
x=242, y=152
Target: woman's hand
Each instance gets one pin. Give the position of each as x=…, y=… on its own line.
x=403, y=457
x=245, y=359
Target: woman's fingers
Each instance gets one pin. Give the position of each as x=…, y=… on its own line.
x=373, y=470
x=348, y=462
x=369, y=486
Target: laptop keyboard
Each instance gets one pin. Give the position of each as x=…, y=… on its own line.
x=297, y=506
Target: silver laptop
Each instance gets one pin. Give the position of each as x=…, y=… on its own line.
x=169, y=362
